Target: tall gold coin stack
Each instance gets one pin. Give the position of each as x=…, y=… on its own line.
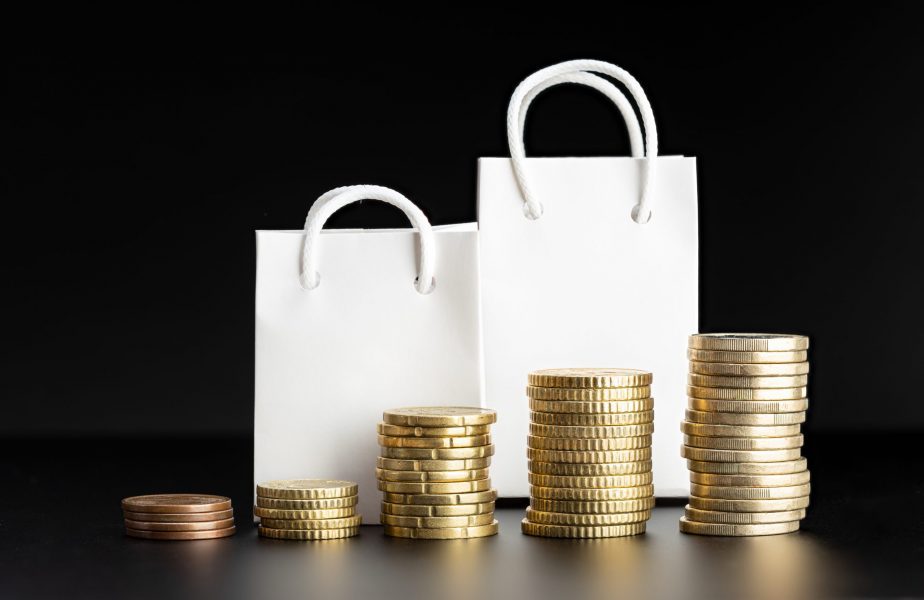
x=433, y=472
x=307, y=509
x=742, y=439
x=589, y=453
x=178, y=516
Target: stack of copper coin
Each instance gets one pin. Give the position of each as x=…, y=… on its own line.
x=308, y=509
x=589, y=453
x=433, y=472
x=742, y=438
x=178, y=516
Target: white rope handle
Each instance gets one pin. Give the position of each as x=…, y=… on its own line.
x=533, y=209
x=636, y=144
x=329, y=203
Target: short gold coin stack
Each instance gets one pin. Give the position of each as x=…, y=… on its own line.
x=589, y=453
x=742, y=438
x=307, y=509
x=433, y=472
x=178, y=517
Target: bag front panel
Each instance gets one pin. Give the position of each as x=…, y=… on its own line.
x=331, y=359
x=584, y=286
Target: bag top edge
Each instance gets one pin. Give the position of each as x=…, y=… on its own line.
x=451, y=228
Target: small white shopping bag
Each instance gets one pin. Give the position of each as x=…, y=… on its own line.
x=352, y=322
x=587, y=262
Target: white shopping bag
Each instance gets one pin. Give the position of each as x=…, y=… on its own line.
x=345, y=331
x=587, y=262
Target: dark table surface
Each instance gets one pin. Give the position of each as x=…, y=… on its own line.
x=61, y=536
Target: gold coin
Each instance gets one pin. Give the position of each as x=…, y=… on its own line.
x=218, y=515
x=575, y=407
x=749, y=468
x=446, y=510
x=434, y=522
x=722, y=356
x=402, y=431
x=743, y=518
x=591, y=495
x=176, y=503
x=307, y=534
x=718, y=381
x=575, y=444
x=440, y=487
x=742, y=443
x=744, y=456
x=725, y=505
x=443, y=533
x=180, y=535
x=750, y=493
x=441, y=499
x=749, y=342
x=701, y=429
x=610, y=481
x=592, y=420
x=304, y=515
x=589, y=378
x=439, y=416
x=751, y=480
x=605, y=456
x=320, y=503
x=434, y=442
x=200, y=526
x=589, y=470
x=616, y=431
x=581, y=532
x=431, y=476
x=343, y=523
x=752, y=394
x=749, y=369
x=592, y=507
x=552, y=518
x=307, y=489
x=588, y=394
x=438, y=453
x=725, y=529
x=749, y=406
x=398, y=464
x=745, y=419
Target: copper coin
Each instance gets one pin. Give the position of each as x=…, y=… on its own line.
x=202, y=526
x=176, y=503
x=180, y=535
x=218, y=515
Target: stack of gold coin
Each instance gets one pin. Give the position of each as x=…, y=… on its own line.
x=178, y=516
x=589, y=453
x=307, y=509
x=742, y=439
x=433, y=472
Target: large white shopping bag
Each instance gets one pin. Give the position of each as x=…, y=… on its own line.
x=352, y=322
x=587, y=262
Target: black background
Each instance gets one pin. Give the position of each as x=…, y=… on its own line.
x=144, y=145
x=139, y=165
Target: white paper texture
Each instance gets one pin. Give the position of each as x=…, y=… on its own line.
x=331, y=359
x=586, y=286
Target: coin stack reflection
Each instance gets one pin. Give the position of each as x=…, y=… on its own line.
x=433, y=472
x=307, y=509
x=742, y=439
x=178, y=516
x=589, y=453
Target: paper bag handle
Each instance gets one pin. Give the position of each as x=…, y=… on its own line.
x=533, y=209
x=636, y=143
x=329, y=203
